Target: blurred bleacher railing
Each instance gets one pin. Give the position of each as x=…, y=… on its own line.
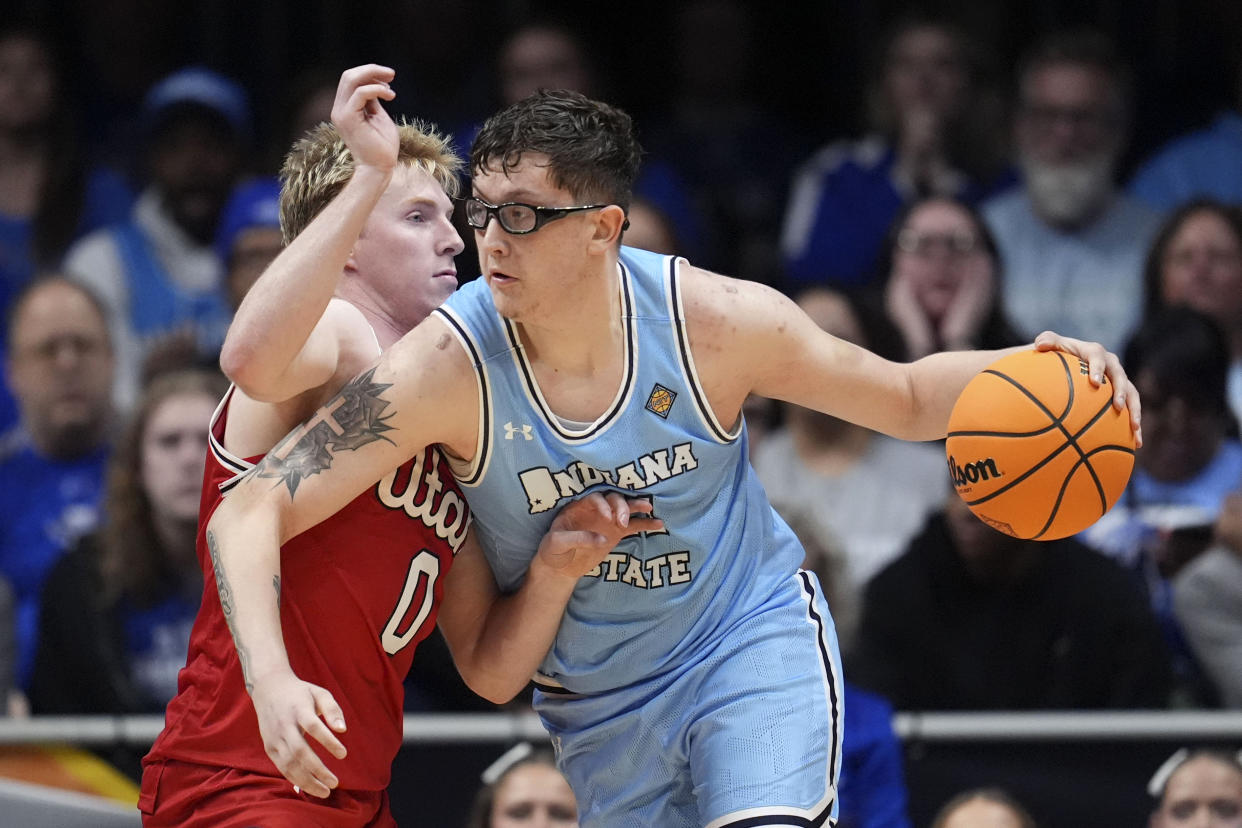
x=501, y=728
x=1074, y=769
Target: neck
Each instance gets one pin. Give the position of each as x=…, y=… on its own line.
x=586, y=333
x=386, y=327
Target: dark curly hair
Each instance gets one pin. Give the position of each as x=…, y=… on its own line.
x=591, y=147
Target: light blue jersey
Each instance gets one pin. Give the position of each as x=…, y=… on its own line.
x=663, y=604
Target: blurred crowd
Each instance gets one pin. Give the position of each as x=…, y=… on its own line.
x=966, y=197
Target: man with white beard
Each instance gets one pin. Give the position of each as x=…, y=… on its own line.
x=1072, y=243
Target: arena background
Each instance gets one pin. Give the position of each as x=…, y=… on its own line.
x=808, y=64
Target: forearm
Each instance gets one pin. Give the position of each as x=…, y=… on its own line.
x=281, y=310
x=515, y=634
x=935, y=382
x=245, y=556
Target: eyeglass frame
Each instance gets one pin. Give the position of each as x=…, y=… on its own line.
x=543, y=215
x=911, y=241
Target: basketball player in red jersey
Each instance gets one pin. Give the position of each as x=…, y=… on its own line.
x=361, y=589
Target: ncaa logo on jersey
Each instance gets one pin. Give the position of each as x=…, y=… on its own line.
x=660, y=400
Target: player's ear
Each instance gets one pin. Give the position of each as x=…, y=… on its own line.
x=609, y=223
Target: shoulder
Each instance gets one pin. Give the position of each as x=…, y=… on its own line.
x=712, y=299
x=95, y=261
x=733, y=320
x=434, y=354
x=92, y=249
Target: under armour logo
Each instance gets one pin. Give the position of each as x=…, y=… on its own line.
x=510, y=430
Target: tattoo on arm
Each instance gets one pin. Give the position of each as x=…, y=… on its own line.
x=276, y=584
x=226, y=604
x=349, y=421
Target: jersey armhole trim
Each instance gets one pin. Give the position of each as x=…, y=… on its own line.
x=470, y=473
x=215, y=445
x=677, y=313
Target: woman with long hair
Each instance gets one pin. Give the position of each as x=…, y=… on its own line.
x=117, y=609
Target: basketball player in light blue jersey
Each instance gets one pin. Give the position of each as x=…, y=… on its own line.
x=695, y=679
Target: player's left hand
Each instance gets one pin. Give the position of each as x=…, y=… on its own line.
x=586, y=530
x=290, y=712
x=1100, y=363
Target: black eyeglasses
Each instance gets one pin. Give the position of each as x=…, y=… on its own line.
x=515, y=217
x=912, y=241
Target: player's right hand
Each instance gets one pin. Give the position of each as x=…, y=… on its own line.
x=363, y=123
x=586, y=530
x=289, y=710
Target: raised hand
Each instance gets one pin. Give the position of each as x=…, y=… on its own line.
x=585, y=531
x=962, y=322
x=906, y=312
x=289, y=711
x=364, y=125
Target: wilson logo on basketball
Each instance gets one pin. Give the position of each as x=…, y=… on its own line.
x=972, y=472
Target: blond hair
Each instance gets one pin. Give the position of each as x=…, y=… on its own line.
x=319, y=165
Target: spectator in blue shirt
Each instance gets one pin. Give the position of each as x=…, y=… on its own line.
x=60, y=367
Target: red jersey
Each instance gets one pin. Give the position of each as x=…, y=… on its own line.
x=358, y=592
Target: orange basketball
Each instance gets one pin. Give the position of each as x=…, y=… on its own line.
x=1035, y=450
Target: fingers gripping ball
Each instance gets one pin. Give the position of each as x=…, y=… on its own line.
x=1035, y=450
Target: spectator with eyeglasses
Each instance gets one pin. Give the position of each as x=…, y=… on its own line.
x=1072, y=243
x=941, y=280
x=60, y=367
x=1196, y=260
x=934, y=121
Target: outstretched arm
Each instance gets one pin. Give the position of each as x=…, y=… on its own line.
x=746, y=338
x=498, y=640
x=276, y=348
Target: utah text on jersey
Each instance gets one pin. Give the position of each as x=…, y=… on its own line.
x=545, y=488
x=423, y=497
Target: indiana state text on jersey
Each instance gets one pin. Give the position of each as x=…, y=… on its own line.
x=545, y=488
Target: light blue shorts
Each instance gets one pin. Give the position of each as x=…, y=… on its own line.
x=749, y=734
